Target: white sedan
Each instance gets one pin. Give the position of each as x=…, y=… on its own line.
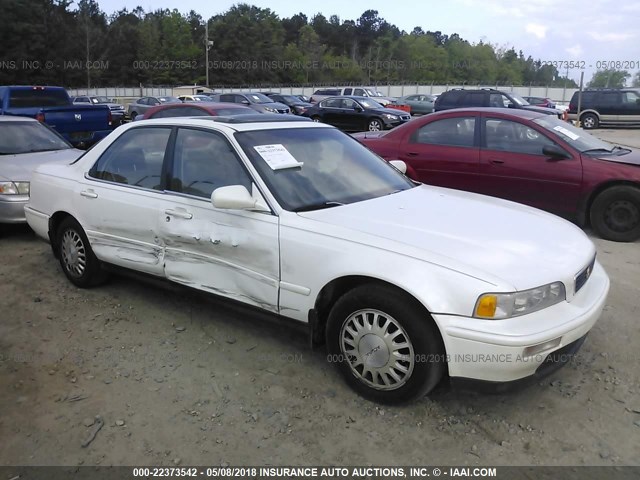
x=407, y=283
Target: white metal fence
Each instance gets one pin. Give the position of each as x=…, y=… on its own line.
x=557, y=94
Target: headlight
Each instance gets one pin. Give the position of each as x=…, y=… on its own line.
x=272, y=110
x=14, y=188
x=388, y=116
x=496, y=306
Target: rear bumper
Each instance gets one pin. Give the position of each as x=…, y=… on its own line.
x=86, y=141
x=38, y=221
x=12, y=208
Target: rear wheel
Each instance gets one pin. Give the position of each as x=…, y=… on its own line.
x=615, y=214
x=78, y=261
x=589, y=121
x=133, y=115
x=316, y=118
x=385, y=345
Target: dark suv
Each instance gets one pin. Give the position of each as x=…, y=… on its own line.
x=488, y=97
x=620, y=106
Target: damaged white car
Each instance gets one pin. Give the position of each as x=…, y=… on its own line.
x=407, y=283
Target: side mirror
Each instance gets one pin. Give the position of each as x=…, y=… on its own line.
x=358, y=108
x=511, y=105
x=245, y=102
x=555, y=152
x=234, y=197
x=399, y=165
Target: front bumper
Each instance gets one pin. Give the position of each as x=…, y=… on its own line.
x=12, y=208
x=494, y=350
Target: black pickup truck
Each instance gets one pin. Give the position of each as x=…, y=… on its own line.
x=81, y=125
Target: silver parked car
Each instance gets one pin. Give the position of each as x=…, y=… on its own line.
x=25, y=144
x=143, y=104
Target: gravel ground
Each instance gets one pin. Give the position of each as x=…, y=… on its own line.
x=137, y=373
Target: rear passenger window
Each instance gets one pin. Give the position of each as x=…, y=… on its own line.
x=135, y=158
x=473, y=100
x=458, y=131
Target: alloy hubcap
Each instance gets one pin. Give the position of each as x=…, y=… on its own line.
x=73, y=253
x=378, y=349
x=622, y=216
x=589, y=122
x=374, y=126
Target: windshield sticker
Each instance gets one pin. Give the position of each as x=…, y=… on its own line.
x=277, y=156
x=566, y=132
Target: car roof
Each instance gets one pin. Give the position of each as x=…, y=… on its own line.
x=241, y=123
x=513, y=112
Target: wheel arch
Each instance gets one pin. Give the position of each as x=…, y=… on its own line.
x=54, y=222
x=336, y=288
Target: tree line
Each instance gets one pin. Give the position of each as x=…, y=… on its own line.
x=49, y=42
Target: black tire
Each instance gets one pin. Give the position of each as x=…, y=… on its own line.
x=78, y=261
x=133, y=115
x=589, y=121
x=420, y=376
x=316, y=118
x=375, y=125
x=615, y=214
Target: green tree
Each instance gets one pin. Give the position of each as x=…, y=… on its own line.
x=609, y=78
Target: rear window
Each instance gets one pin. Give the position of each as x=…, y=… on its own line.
x=38, y=98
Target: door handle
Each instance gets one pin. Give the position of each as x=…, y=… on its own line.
x=179, y=213
x=412, y=154
x=89, y=194
x=496, y=161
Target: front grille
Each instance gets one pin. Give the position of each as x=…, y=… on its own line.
x=286, y=110
x=583, y=275
x=405, y=117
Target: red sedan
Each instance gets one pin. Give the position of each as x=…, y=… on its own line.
x=193, y=109
x=527, y=157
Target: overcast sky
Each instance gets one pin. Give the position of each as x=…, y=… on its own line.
x=553, y=30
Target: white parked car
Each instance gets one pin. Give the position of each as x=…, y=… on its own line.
x=407, y=283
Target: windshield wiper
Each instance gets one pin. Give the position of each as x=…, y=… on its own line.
x=317, y=206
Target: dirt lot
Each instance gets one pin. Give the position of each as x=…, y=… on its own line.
x=178, y=378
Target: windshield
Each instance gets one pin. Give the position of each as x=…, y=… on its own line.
x=258, y=98
x=370, y=104
x=312, y=168
x=100, y=100
x=27, y=137
x=169, y=100
x=576, y=137
x=519, y=100
x=291, y=98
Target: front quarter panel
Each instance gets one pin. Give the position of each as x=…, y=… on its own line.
x=312, y=259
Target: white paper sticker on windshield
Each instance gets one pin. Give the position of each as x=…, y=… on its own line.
x=277, y=156
x=566, y=132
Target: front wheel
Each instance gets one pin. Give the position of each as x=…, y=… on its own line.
x=589, y=121
x=316, y=118
x=77, y=259
x=386, y=346
x=375, y=125
x=615, y=214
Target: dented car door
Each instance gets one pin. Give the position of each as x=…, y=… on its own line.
x=116, y=201
x=233, y=253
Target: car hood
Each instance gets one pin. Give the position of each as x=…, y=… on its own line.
x=20, y=167
x=495, y=240
x=631, y=158
x=548, y=111
x=391, y=111
x=276, y=105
